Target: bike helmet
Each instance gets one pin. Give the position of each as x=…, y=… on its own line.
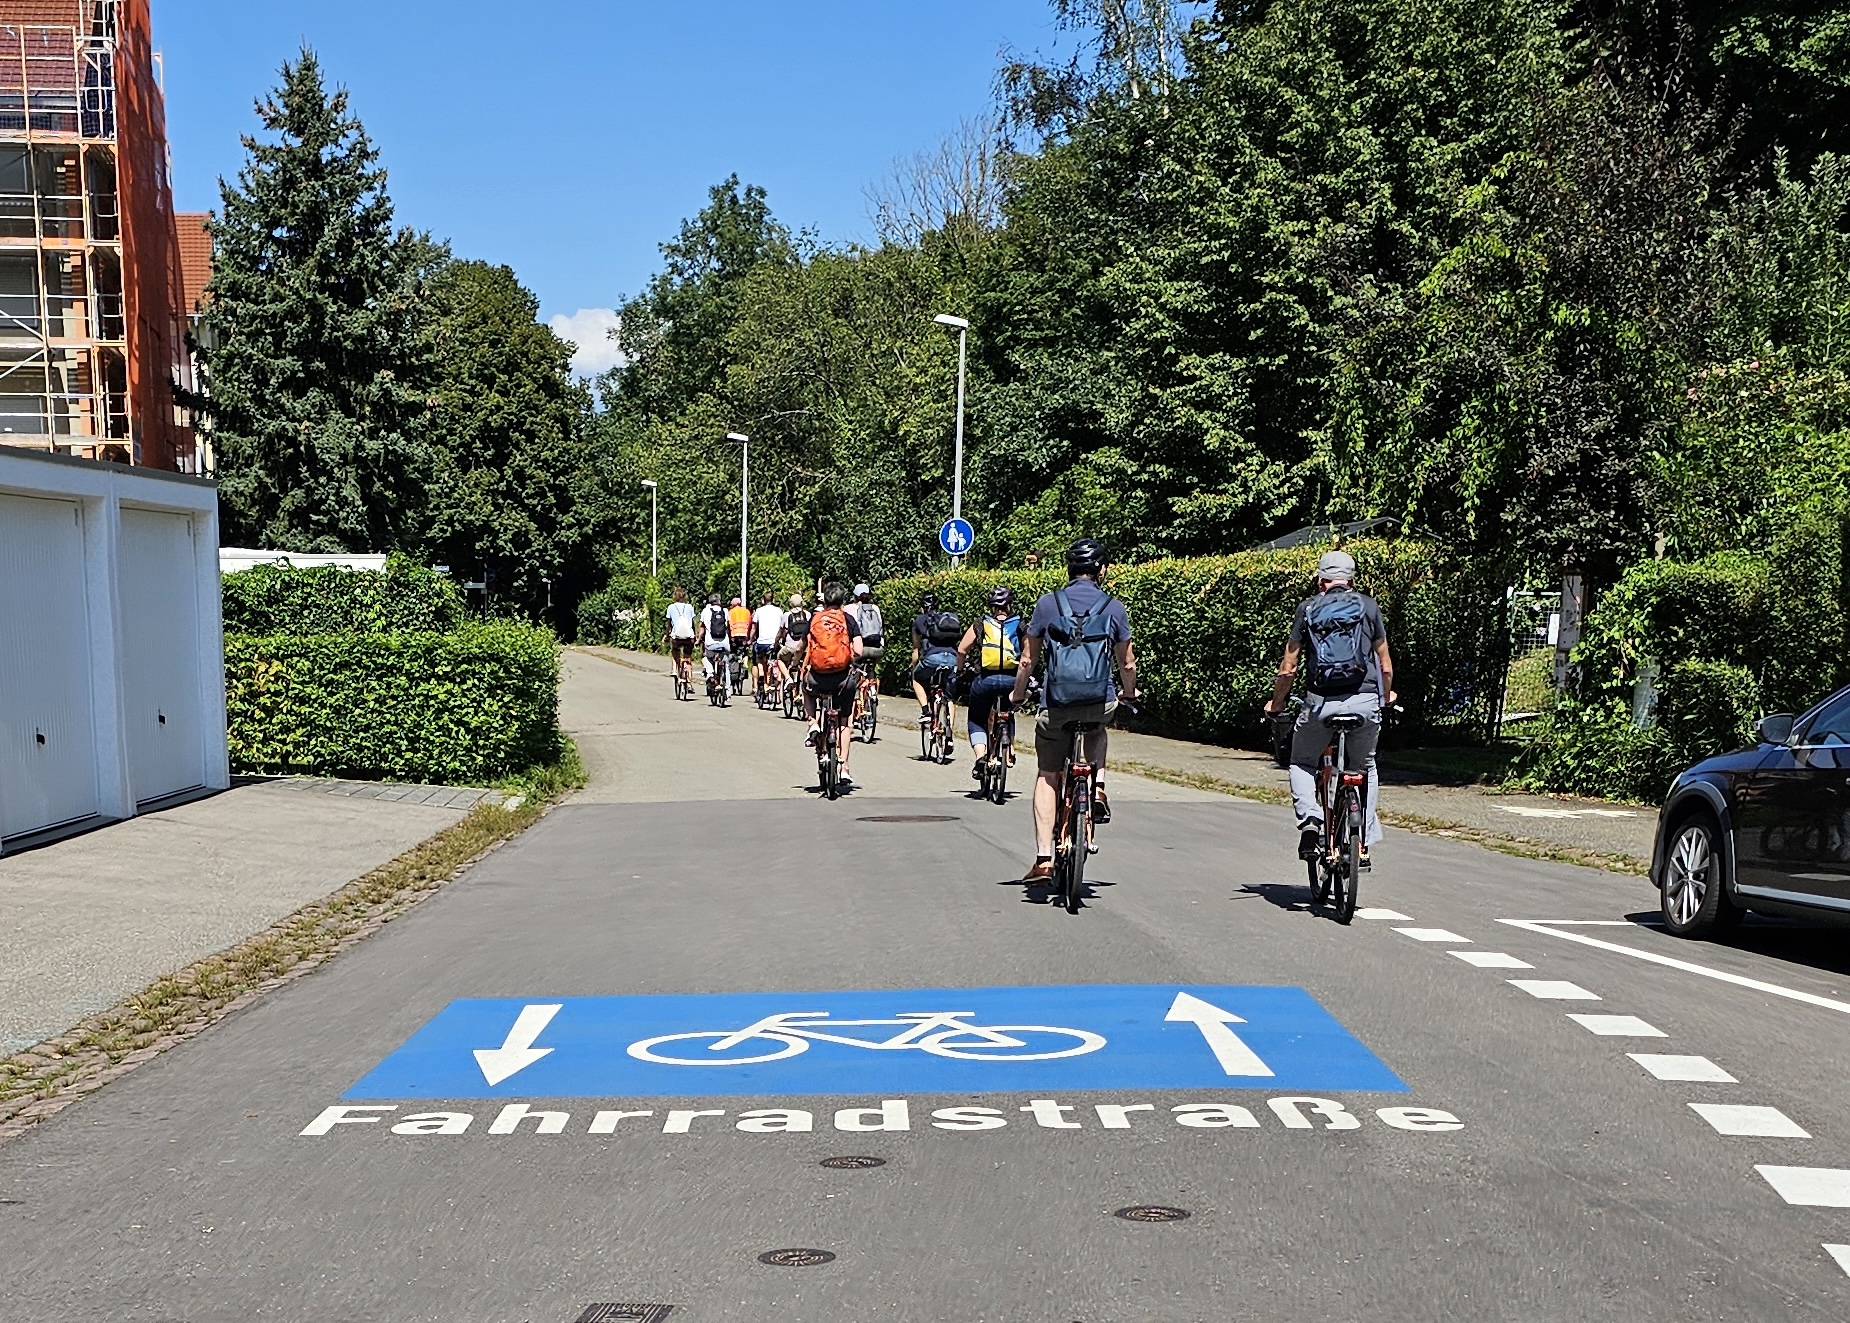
x=1085, y=556
x=1002, y=596
x=928, y=603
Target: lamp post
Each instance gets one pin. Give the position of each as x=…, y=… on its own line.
x=654, y=543
x=962, y=327
x=745, y=498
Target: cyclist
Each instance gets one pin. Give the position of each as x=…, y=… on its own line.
x=934, y=653
x=739, y=623
x=829, y=673
x=793, y=638
x=679, y=635
x=872, y=628
x=997, y=641
x=767, y=624
x=716, y=642
x=1351, y=670
x=1104, y=624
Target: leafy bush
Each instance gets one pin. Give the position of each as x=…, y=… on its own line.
x=467, y=707
x=403, y=598
x=1210, y=630
x=627, y=612
x=770, y=570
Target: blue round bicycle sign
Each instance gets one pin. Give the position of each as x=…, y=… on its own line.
x=956, y=536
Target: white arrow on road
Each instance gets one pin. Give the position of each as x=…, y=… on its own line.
x=1235, y=1057
x=518, y=1052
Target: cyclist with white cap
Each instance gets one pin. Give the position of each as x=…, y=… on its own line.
x=1351, y=670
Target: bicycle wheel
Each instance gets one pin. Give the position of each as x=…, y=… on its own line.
x=926, y=736
x=1351, y=854
x=1078, y=815
x=998, y=777
x=790, y=699
x=1011, y=1042
x=787, y=1045
x=872, y=716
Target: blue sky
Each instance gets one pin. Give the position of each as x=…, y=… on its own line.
x=567, y=138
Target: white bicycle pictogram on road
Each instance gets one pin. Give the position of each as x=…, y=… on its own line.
x=941, y=1033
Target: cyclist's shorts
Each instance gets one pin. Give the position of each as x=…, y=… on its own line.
x=681, y=649
x=762, y=651
x=793, y=651
x=838, y=687
x=1052, y=741
x=871, y=653
x=932, y=675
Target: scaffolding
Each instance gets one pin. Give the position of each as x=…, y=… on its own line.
x=63, y=324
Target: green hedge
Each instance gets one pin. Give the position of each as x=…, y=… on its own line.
x=462, y=708
x=1210, y=631
x=279, y=599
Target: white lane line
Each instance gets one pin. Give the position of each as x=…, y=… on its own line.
x=1689, y=1070
x=1810, y=1187
x=1393, y=915
x=1432, y=935
x=1491, y=960
x=1547, y=926
x=1842, y=1254
x=1755, y=1122
x=1553, y=989
x=1618, y=1026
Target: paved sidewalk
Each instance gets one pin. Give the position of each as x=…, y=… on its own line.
x=90, y=920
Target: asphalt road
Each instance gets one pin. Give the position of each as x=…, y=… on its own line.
x=1530, y=1169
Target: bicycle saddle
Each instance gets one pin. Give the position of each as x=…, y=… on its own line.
x=1344, y=720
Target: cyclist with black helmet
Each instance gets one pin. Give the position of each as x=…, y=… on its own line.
x=1103, y=627
x=934, y=653
x=996, y=642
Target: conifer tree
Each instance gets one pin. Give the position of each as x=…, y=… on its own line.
x=314, y=340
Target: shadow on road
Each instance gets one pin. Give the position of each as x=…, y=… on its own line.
x=1276, y=893
x=1821, y=946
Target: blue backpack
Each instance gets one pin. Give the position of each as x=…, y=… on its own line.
x=1337, y=627
x=1079, y=654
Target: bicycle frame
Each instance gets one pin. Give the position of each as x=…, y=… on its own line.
x=808, y=1024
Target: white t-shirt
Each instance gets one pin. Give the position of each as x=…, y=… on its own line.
x=769, y=618
x=681, y=620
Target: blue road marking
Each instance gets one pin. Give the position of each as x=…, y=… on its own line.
x=934, y=1040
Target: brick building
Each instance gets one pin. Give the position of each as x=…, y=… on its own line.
x=93, y=295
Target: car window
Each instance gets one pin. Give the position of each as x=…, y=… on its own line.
x=1832, y=725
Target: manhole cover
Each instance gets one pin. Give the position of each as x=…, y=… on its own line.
x=1151, y=1213
x=625, y=1313
x=853, y=1162
x=796, y=1258
x=910, y=817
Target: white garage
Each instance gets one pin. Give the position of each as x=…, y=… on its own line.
x=112, y=695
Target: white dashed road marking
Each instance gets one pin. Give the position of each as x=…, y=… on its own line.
x=1758, y=1122
x=1618, y=1026
x=1432, y=935
x=1491, y=960
x=1810, y=1187
x=1692, y=1070
x=1551, y=928
x=1553, y=989
x=1391, y=915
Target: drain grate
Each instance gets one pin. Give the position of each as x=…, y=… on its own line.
x=1151, y=1213
x=625, y=1313
x=910, y=817
x=796, y=1258
x=852, y=1162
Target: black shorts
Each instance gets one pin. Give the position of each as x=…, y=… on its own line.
x=681, y=649
x=932, y=675
x=837, y=688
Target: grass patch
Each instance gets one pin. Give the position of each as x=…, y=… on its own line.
x=49, y=1076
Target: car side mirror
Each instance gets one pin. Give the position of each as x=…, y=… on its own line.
x=1775, y=729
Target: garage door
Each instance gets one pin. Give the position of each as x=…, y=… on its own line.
x=160, y=651
x=47, y=735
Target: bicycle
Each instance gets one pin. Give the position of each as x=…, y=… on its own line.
x=739, y=666
x=867, y=709
x=935, y=733
x=1337, y=870
x=792, y=681
x=1000, y=726
x=940, y=1033
x=683, y=687
x=828, y=762
x=1073, y=827
x=719, y=683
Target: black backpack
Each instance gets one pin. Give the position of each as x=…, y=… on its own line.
x=946, y=630
x=796, y=624
x=1336, y=627
x=719, y=624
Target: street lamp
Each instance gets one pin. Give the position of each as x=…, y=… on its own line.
x=745, y=497
x=962, y=327
x=654, y=544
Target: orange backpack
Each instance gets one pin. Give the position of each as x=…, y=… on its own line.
x=829, y=646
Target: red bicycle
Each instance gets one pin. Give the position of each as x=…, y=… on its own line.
x=1337, y=870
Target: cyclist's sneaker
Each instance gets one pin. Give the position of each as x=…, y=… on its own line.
x=844, y=781
x=976, y=770
x=1101, y=809
x=925, y=716
x=1366, y=862
x=1041, y=872
x=1310, y=844
x=809, y=738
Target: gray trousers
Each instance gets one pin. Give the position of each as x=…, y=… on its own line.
x=1309, y=739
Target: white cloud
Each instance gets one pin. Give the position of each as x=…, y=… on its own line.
x=589, y=329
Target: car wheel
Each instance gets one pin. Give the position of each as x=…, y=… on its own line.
x=1694, y=885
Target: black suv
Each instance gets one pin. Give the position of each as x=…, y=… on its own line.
x=1766, y=828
